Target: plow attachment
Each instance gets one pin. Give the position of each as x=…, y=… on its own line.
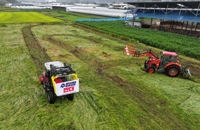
x=130, y=50
x=185, y=72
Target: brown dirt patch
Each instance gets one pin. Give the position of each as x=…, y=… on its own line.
x=117, y=80
x=37, y=52
x=106, y=54
x=77, y=50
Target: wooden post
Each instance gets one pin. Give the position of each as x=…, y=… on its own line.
x=191, y=28
x=186, y=26
x=160, y=28
x=151, y=22
x=182, y=25
x=196, y=26
x=133, y=20
x=173, y=24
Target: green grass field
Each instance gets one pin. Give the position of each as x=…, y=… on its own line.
x=25, y=17
x=115, y=94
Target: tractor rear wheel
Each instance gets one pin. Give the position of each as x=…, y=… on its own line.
x=70, y=97
x=173, y=70
x=150, y=70
x=51, y=97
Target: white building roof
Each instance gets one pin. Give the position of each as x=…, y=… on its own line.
x=99, y=11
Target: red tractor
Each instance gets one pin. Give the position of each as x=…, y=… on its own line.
x=168, y=62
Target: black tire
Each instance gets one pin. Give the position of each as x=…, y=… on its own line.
x=44, y=83
x=51, y=97
x=70, y=97
x=145, y=64
x=173, y=71
x=41, y=80
x=150, y=70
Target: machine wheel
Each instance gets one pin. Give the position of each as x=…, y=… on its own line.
x=51, y=97
x=145, y=64
x=70, y=97
x=172, y=71
x=41, y=80
x=150, y=70
x=44, y=85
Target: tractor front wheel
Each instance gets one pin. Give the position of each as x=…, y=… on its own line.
x=150, y=70
x=172, y=71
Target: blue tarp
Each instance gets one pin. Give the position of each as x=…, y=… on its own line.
x=174, y=15
x=102, y=19
x=158, y=14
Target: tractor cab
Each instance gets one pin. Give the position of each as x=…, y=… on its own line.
x=167, y=57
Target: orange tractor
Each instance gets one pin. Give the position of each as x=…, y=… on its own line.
x=168, y=62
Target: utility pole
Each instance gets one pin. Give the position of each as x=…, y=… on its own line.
x=133, y=13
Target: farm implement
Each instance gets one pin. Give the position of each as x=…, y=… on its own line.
x=59, y=80
x=167, y=63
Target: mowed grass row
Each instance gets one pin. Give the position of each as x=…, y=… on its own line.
x=24, y=104
x=25, y=17
x=19, y=83
x=153, y=101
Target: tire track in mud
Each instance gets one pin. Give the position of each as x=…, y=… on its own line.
x=37, y=52
x=147, y=103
